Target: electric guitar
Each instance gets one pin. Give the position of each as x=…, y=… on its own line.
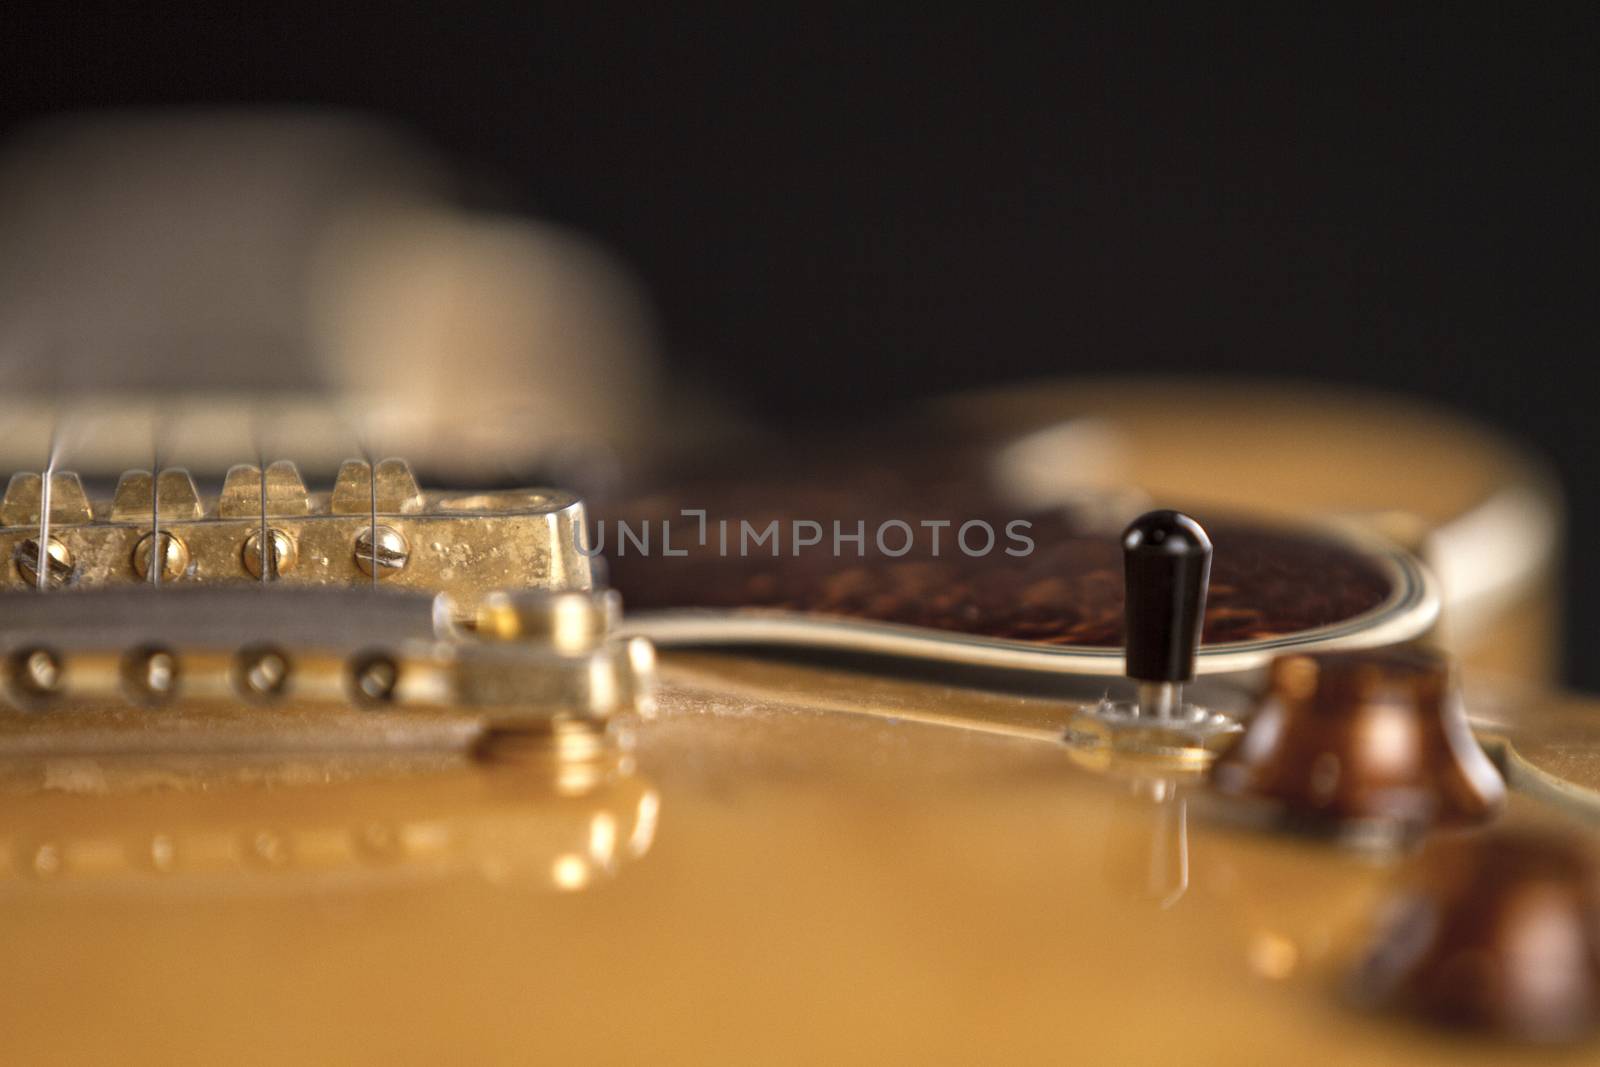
x=966, y=748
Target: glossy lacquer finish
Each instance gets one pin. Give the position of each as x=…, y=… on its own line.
x=791, y=865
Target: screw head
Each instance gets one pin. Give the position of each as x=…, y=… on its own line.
x=383, y=546
x=34, y=675
x=173, y=553
x=281, y=558
x=150, y=675
x=27, y=557
x=374, y=676
x=261, y=672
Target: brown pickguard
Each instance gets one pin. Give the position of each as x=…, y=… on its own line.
x=1067, y=591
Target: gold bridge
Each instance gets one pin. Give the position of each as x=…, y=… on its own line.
x=376, y=524
x=162, y=620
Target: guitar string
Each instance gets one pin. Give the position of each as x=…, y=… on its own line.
x=157, y=557
x=46, y=486
x=372, y=513
x=363, y=431
x=269, y=554
x=269, y=558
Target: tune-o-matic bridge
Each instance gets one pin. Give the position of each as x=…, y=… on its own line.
x=456, y=612
x=375, y=525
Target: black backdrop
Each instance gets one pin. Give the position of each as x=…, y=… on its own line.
x=910, y=202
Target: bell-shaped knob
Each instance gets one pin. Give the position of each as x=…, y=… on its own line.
x=1375, y=736
x=1166, y=562
x=1496, y=933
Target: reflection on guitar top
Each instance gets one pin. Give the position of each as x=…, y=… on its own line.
x=528, y=817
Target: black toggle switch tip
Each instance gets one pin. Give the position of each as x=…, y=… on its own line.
x=1166, y=558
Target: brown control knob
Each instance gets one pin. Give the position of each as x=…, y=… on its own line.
x=1495, y=932
x=1362, y=736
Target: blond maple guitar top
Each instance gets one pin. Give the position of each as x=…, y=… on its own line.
x=796, y=866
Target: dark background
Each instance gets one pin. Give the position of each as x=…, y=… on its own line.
x=835, y=214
